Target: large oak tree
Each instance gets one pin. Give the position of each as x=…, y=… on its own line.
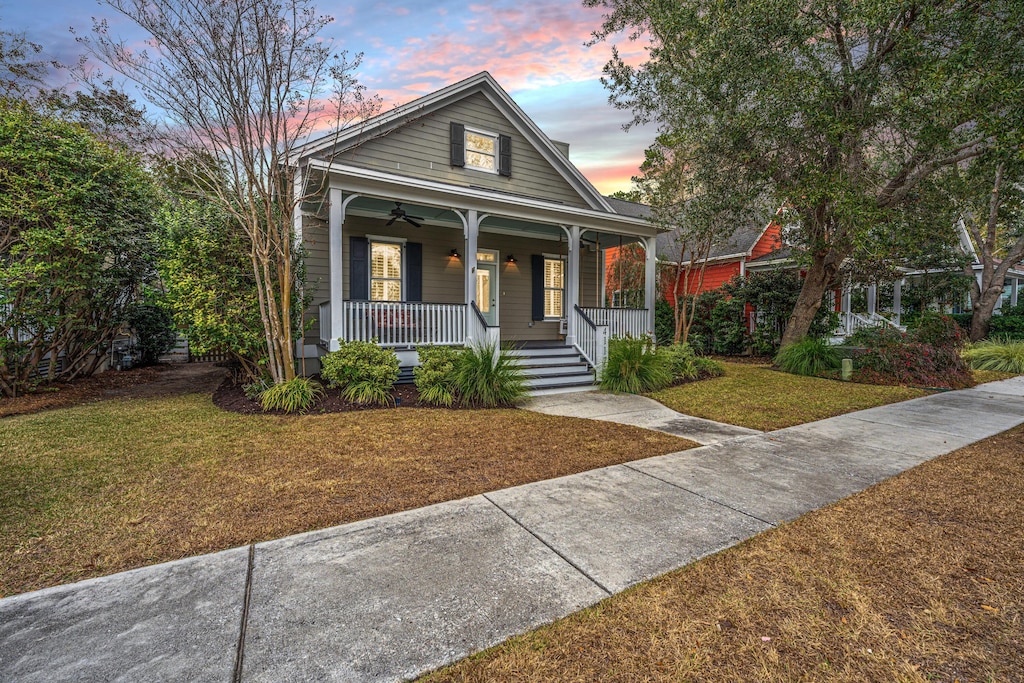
x=839, y=109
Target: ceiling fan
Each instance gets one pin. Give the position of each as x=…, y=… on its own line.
x=399, y=212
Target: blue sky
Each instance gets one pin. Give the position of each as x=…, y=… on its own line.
x=535, y=49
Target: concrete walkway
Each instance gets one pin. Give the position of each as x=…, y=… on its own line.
x=638, y=411
x=390, y=598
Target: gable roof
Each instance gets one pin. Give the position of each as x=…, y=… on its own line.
x=741, y=243
x=626, y=208
x=482, y=83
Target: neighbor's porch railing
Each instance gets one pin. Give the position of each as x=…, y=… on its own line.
x=591, y=338
x=621, y=322
x=394, y=323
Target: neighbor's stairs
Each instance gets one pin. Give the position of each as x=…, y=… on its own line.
x=554, y=368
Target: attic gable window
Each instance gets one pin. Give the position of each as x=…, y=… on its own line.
x=481, y=150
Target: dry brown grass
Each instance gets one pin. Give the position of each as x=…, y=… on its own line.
x=108, y=486
x=920, y=578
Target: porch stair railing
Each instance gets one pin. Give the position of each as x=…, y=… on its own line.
x=397, y=324
x=480, y=330
x=591, y=338
x=621, y=322
x=851, y=322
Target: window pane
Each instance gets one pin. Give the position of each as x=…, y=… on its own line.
x=479, y=160
x=552, y=303
x=483, y=291
x=485, y=256
x=553, y=273
x=385, y=290
x=476, y=142
x=386, y=260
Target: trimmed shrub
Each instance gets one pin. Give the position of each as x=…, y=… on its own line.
x=1001, y=354
x=927, y=357
x=807, y=357
x=1006, y=326
x=488, y=376
x=365, y=372
x=295, y=395
x=938, y=330
x=634, y=366
x=435, y=375
x=686, y=366
x=154, y=332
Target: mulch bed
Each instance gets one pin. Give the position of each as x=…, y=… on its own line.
x=84, y=389
x=231, y=397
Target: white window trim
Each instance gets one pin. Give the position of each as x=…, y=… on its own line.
x=564, y=260
x=465, y=147
x=400, y=241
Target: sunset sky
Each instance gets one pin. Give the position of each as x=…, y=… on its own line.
x=534, y=48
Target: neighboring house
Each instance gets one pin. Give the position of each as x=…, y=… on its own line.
x=454, y=219
x=726, y=259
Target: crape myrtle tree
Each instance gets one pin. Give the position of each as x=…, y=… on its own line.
x=837, y=109
x=241, y=85
x=702, y=205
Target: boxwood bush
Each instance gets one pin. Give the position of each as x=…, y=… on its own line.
x=365, y=372
x=435, y=377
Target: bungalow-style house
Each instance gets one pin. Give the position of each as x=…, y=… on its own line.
x=453, y=220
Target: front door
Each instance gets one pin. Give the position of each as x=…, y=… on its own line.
x=487, y=285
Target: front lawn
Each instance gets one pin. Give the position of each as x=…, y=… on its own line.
x=109, y=486
x=920, y=578
x=758, y=397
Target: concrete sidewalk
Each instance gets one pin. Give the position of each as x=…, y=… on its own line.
x=638, y=411
x=390, y=598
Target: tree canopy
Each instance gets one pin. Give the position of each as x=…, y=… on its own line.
x=836, y=109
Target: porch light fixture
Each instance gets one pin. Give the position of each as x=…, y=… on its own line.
x=511, y=259
x=455, y=254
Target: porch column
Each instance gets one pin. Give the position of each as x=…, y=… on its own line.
x=336, y=218
x=845, y=307
x=572, y=285
x=897, y=299
x=1013, y=291
x=472, y=234
x=650, y=273
x=872, y=300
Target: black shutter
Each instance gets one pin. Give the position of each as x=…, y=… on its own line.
x=537, y=266
x=413, y=271
x=458, y=143
x=358, y=269
x=504, y=155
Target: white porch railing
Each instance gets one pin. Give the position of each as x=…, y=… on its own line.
x=393, y=323
x=325, y=324
x=621, y=322
x=591, y=338
x=480, y=331
x=851, y=322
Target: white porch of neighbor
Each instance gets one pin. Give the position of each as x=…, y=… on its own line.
x=406, y=324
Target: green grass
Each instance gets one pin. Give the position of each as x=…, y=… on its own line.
x=760, y=398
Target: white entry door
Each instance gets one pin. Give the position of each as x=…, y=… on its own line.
x=487, y=285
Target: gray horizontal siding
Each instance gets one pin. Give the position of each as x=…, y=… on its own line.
x=443, y=276
x=420, y=148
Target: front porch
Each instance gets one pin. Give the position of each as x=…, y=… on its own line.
x=404, y=272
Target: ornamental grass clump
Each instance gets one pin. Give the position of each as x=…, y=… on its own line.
x=435, y=375
x=365, y=373
x=488, y=376
x=810, y=357
x=1000, y=354
x=295, y=395
x=634, y=366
